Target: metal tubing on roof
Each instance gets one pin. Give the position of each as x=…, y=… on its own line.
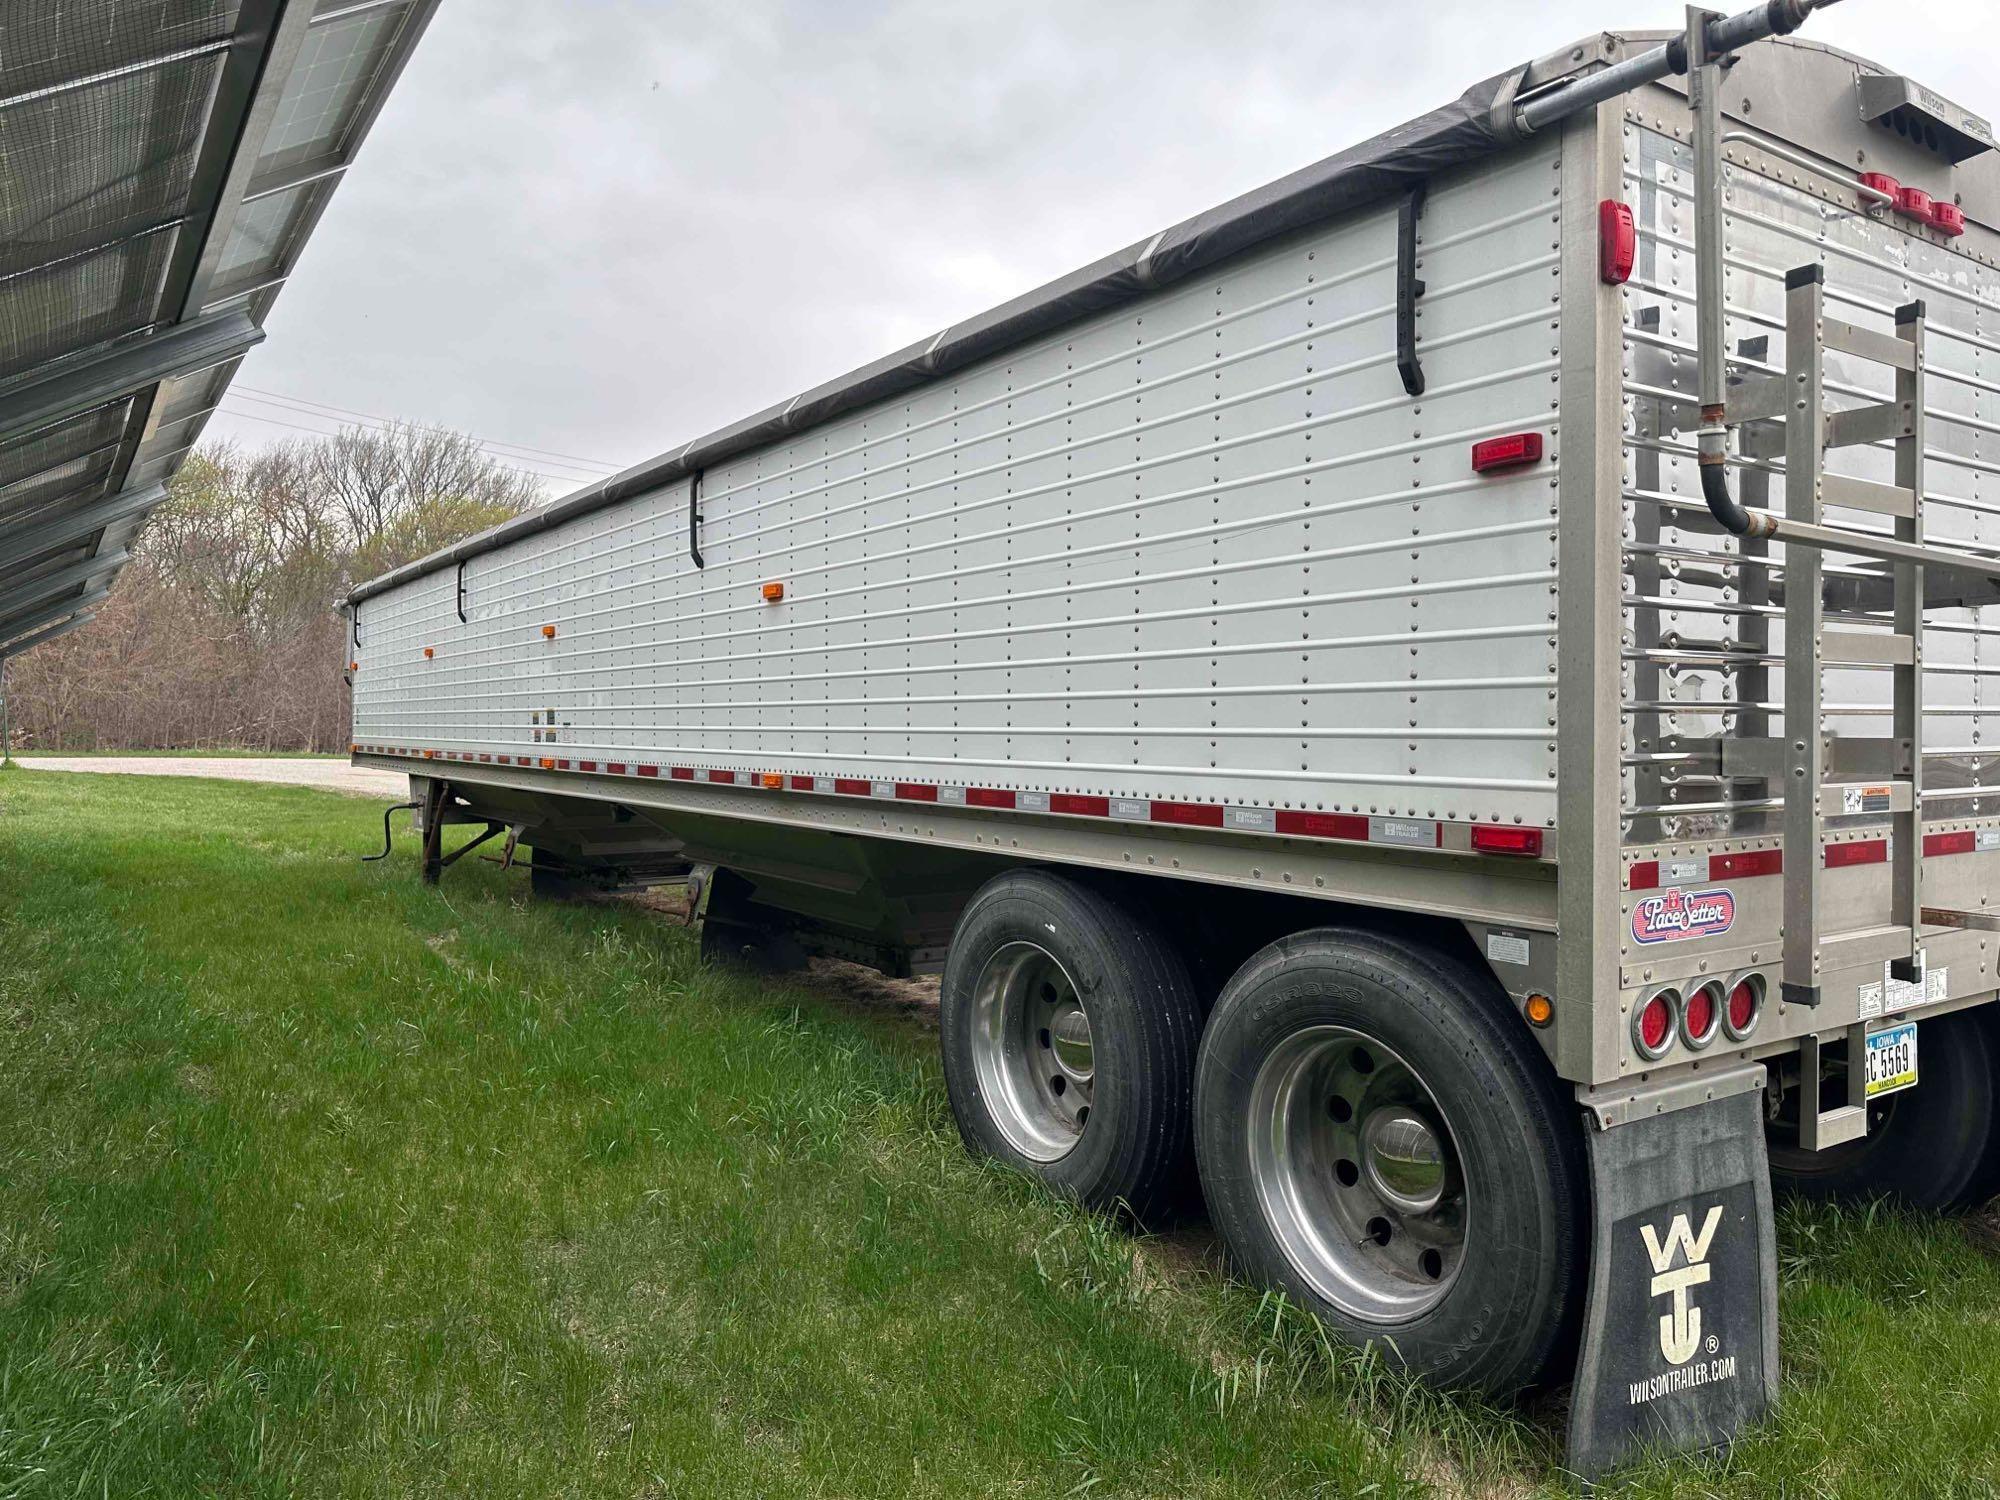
x=32, y=619
x=35, y=590
x=75, y=525
x=124, y=368
x=46, y=633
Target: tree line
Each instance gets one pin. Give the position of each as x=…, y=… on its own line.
x=224, y=630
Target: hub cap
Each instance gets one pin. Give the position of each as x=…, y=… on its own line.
x=1358, y=1175
x=1032, y=1051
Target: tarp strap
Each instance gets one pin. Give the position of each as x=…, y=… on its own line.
x=1408, y=289
x=694, y=517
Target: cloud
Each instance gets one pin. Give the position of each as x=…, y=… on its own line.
x=607, y=226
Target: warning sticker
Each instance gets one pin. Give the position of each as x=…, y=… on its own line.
x=1507, y=948
x=1865, y=799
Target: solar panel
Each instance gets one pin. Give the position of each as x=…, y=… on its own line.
x=134, y=136
x=47, y=43
x=90, y=165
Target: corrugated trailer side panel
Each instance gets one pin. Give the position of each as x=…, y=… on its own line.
x=1203, y=548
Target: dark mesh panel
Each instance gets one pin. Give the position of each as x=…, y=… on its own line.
x=47, y=496
x=80, y=302
x=88, y=166
x=44, y=43
x=79, y=436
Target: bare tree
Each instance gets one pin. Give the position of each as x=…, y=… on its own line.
x=224, y=630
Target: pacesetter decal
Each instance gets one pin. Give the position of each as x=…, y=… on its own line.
x=1676, y=914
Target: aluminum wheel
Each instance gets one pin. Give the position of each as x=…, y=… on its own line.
x=1032, y=1052
x=1357, y=1173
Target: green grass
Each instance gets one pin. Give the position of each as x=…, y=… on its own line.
x=314, y=1181
x=225, y=754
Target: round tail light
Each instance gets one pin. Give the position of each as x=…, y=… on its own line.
x=1745, y=1005
x=1701, y=1015
x=1653, y=1025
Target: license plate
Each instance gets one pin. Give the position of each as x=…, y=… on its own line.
x=1892, y=1059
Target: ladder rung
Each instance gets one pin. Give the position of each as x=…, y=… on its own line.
x=1866, y=647
x=1866, y=494
x=1884, y=349
x=1868, y=947
x=1880, y=423
x=1849, y=799
x=1834, y=1127
x=1759, y=400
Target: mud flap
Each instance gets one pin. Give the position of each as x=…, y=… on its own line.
x=1680, y=1336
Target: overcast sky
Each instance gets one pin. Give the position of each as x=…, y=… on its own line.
x=603, y=227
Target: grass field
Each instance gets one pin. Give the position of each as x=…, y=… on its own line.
x=317, y=1182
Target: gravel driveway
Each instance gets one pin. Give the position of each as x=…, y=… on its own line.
x=328, y=775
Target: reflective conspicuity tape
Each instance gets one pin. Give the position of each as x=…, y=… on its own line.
x=1356, y=828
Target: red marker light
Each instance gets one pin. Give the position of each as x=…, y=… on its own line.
x=1948, y=219
x=1914, y=203
x=1882, y=182
x=1499, y=838
x=1653, y=1026
x=1617, y=242
x=1510, y=452
x=1746, y=996
x=1701, y=1015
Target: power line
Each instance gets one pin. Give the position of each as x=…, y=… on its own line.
x=574, y=458
x=505, y=460
x=383, y=424
x=251, y=416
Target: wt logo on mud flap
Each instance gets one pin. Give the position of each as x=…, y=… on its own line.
x=1680, y=1329
x=1680, y=1264
x=1683, y=914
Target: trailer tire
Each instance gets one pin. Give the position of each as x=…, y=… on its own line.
x=1381, y=1140
x=1069, y=1032
x=1930, y=1147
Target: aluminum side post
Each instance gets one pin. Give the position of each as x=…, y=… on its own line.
x=1805, y=769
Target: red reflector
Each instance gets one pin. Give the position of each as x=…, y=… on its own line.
x=680, y=773
x=916, y=791
x=1190, y=814
x=1866, y=852
x=1324, y=825
x=1913, y=203
x=1499, y=838
x=802, y=783
x=1617, y=242
x=1948, y=219
x=1644, y=876
x=1656, y=1024
x=849, y=786
x=586, y=765
x=986, y=796
x=727, y=778
x=615, y=767
x=1083, y=807
x=1740, y=866
x=1962, y=842
x=649, y=770
x=1509, y=452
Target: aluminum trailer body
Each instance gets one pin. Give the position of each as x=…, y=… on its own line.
x=1352, y=550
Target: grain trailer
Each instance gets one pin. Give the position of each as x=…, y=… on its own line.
x=1443, y=698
